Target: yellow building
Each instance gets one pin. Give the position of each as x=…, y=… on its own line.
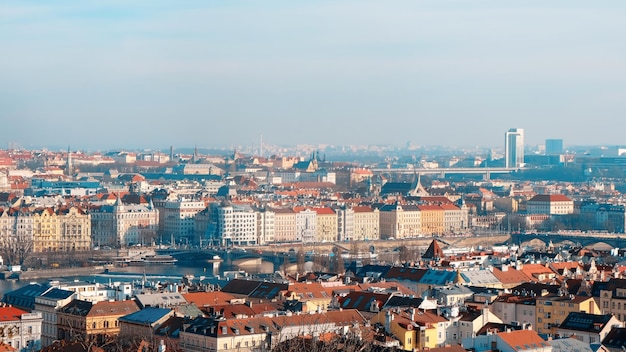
x=552, y=310
x=399, y=221
x=415, y=329
x=432, y=219
x=365, y=224
x=83, y=321
x=313, y=295
x=326, y=225
x=61, y=230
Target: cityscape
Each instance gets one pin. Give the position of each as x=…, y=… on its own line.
x=284, y=176
x=408, y=248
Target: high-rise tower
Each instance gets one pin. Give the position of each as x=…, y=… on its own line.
x=514, y=148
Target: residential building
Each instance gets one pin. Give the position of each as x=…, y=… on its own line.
x=432, y=219
x=612, y=298
x=266, y=226
x=61, y=230
x=284, y=225
x=122, y=225
x=508, y=341
x=265, y=332
x=550, y=204
x=235, y=224
x=366, y=224
x=86, y=321
x=143, y=323
x=325, y=224
x=306, y=225
x=48, y=304
x=615, y=340
x=345, y=223
x=587, y=327
x=178, y=219
x=20, y=329
x=553, y=310
x=400, y=221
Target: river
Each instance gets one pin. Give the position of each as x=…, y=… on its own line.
x=161, y=273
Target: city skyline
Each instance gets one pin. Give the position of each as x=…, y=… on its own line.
x=114, y=75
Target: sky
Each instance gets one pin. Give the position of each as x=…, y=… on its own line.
x=150, y=74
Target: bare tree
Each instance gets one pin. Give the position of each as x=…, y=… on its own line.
x=340, y=268
x=300, y=260
x=15, y=246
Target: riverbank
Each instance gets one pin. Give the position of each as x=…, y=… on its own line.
x=51, y=273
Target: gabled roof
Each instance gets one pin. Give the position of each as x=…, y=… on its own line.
x=404, y=273
x=433, y=251
x=403, y=302
x=11, y=313
x=363, y=301
x=521, y=340
x=268, y=290
x=207, y=299
x=580, y=321
x=550, y=198
x=241, y=287
x=616, y=338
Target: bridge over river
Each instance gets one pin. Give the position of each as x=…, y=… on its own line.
x=576, y=238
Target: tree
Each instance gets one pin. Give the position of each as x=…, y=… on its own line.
x=300, y=260
x=403, y=254
x=340, y=269
x=15, y=244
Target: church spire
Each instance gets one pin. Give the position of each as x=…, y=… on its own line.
x=68, y=166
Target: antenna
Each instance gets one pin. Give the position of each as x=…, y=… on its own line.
x=261, y=146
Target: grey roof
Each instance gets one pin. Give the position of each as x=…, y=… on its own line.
x=146, y=316
x=584, y=321
x=438, y=277
x=166, y=299
x=57, y=294
x=24, y=297
x=400, y=301
x=241, y=287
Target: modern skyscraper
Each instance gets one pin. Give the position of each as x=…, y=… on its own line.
x=514, y=147
x=554, y=146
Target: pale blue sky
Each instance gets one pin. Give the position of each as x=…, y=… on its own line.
x=157, y=73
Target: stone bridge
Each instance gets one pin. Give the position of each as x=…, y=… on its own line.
x=583, y=239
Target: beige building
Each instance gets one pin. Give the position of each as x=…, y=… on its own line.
x=86, y=321
x=61, y=230
x=551, y=204
x=399, y=221
x=123, y=225
x=366, y=223
x=613, y=298
x=326, y=225
x=432, y=219
x=284, y=225
x=552, y=310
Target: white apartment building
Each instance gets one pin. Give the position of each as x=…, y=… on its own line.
x=265, y=226
x=306, y=220
x=20, y=329
x=236, y=224
x=178, y=219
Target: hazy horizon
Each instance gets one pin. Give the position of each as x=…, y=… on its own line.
x=115, y=75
